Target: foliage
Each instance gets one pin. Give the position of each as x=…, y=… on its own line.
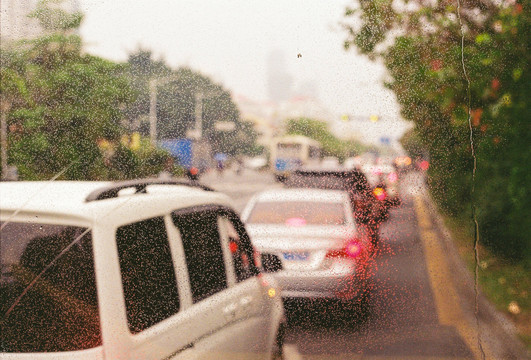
x=318, y=130
x=176, y=105
x=461, y=74
x=63, y=103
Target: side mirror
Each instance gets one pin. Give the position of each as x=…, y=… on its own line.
x=271, y=263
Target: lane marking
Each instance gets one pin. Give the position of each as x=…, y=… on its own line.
x=449, y=311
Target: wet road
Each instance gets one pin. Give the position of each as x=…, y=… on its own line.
x=422, y=305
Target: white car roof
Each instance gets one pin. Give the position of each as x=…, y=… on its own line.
x=303, y=194
x=69, y=198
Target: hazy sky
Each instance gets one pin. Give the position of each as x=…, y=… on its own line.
x=230, y=41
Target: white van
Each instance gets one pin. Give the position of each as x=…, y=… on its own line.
x=145, y=269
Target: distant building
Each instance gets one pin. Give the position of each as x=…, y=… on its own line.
x=269, y=118
x=15, y=23
x=308, y=88
x=279, y=81
x=261, y=115
x=306, y=107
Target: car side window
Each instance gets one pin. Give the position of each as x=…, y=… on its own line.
x=148, y=274
x=240, y=249
x=203, y=252
x=48, y=298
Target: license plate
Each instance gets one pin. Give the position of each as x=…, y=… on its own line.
x=296, y=256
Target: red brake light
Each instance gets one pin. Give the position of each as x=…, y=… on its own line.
x=379, y=193
x=352, y=250
x=233, y=247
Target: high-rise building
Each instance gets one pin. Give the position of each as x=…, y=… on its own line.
x=15, y=23
x=279, y=81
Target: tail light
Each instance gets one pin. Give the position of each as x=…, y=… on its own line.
x=379, y=193
x=352, y=250
x=257, y=258
x=233, y=247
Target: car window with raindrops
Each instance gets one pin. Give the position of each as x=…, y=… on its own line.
x=343, y=179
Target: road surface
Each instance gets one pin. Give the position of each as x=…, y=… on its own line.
x=424, y=303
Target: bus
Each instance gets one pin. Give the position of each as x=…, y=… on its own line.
x=290, y=152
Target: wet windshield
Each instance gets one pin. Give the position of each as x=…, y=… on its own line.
x=417, y=109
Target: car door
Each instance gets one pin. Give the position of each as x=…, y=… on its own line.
x=259, y=307
x=155, y=323
x=231, y=316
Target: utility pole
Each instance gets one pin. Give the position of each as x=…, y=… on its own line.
x=199, y=115
x=153, y=111
x=199, y=97
x=5, y=106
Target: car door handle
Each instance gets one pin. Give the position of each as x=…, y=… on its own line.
x=230, y=311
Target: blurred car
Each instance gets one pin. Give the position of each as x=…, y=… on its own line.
x=323, y=253
x=369, y=210
x=255, y=163
x=403, y=163
x=384, y=181
x=144, y=269
x=330, y=162
x=353, y=162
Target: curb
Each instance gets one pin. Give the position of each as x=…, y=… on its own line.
x=497, y=329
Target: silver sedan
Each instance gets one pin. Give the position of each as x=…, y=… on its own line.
x=322, y=252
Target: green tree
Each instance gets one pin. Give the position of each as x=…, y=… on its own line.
x=13, y=92
x=63, y=104
x=177, y=101
x=461, y=74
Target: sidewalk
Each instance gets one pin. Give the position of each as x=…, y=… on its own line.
x=497, y=334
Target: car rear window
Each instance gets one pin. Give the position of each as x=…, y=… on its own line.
x=48, y=297
x=298, y=213
x=351, y=181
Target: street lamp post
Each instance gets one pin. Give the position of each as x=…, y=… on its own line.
x=199, y=115
x=153, y=111
x=199, y=97
x=5, y=105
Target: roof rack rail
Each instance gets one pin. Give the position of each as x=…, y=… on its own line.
x=111, y=191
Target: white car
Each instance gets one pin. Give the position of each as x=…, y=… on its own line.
x=146, y=269
x=330, y=162
x=322, y=252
